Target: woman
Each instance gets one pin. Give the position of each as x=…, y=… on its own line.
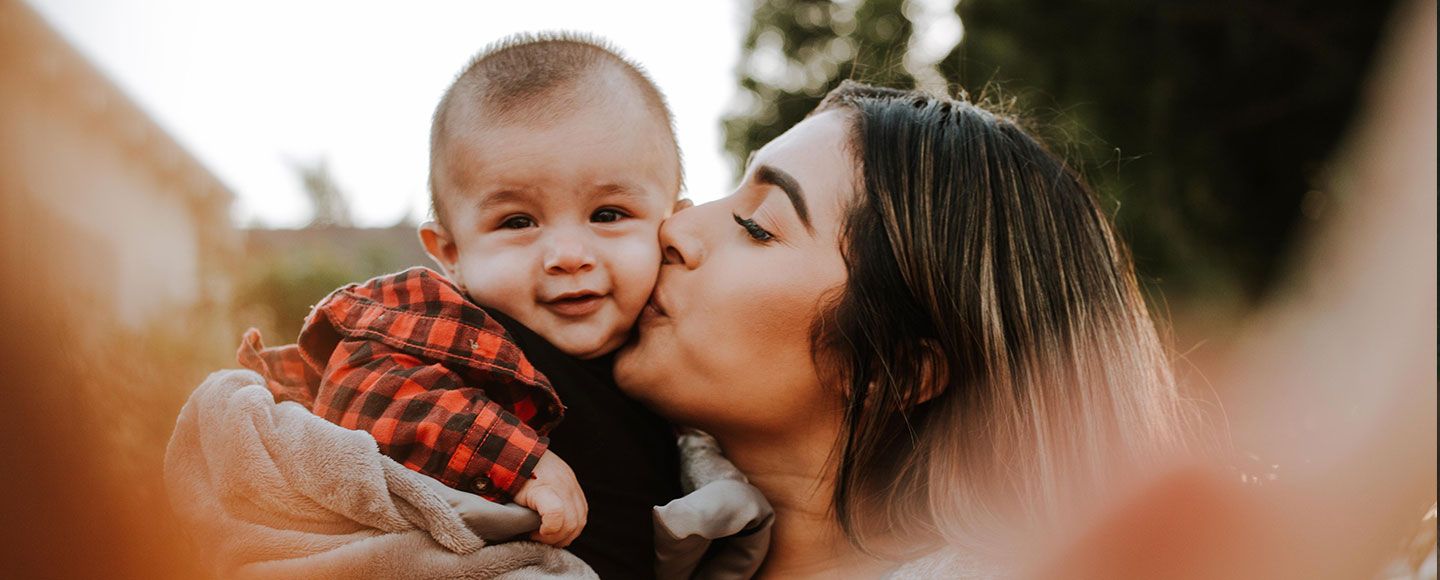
x=910, y=324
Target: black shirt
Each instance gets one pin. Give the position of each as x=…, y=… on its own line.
x=623, y=455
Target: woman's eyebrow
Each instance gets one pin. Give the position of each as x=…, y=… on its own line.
x=767, y=175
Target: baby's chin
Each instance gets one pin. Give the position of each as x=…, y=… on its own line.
x=630, y=367
x=587, y=344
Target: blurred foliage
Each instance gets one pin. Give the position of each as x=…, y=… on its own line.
x=1204, y=125
x=288, y=271
x=285, y=272
x=278, y=291
x=327, y=201
x=797, y=50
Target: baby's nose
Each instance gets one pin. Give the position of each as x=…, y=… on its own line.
x=567, y=256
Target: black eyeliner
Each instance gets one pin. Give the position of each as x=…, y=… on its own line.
x=756, y=232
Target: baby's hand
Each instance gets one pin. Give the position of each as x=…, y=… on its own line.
x=494, y=522
x=556, y=496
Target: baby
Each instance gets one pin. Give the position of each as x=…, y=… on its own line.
x=552, y=163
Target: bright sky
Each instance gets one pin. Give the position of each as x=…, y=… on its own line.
x=249, y=86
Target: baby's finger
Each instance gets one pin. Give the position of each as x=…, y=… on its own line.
x=575, y=533
x=551, y=508
x=582, y=518
x=579, y=513
x=577, y=520
x=554, y=537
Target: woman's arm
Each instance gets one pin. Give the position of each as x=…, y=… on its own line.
x=1340, y=374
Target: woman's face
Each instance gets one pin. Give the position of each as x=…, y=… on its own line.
x=725, y=343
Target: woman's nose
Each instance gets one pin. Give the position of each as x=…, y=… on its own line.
x=680, y=243
x=568, y=254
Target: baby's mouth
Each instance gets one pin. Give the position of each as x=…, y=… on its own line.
x=575, y=304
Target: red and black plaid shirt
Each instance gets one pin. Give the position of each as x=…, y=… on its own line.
x=438, y=382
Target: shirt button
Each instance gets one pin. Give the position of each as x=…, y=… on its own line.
x=482, y=486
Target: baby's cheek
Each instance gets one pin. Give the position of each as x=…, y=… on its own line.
x=636, y=263
x=497, y=278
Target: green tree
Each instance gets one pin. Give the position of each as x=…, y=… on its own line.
x=1204, y=125
x=797, y=50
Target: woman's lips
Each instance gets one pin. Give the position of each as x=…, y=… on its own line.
x=652, y=310
x=579, y=305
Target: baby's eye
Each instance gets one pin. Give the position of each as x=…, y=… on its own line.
x=518, y=222
x=607, y=215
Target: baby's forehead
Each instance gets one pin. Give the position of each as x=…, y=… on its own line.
x=599, y=88
x=574, y=157
x=531, y=79
x=558, y=186
x=577, y=158
x=582, y=194
x=605, y=96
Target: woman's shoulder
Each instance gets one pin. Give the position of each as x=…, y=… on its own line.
x=945, y=564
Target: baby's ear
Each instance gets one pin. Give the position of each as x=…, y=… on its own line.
x=441, y=247
x=682, y=203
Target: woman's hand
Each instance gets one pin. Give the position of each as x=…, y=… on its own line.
x=556, y=496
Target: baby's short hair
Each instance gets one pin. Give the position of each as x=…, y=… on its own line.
x=513, y=79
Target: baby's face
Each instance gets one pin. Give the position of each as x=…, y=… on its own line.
x=556, y=224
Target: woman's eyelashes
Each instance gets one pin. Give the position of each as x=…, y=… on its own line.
x=756, y=232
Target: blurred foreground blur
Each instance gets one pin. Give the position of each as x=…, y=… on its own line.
x=1333, y=381
x=125, y=283
x=117, y=253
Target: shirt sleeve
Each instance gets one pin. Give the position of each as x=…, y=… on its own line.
x=425, y=418
x=286, y=374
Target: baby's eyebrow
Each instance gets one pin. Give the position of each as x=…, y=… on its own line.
x=611, y=190
x=500, y=197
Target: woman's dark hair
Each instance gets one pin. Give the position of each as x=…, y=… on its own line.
x=996, y=352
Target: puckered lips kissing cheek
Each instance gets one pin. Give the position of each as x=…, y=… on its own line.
x=575, y=303
x=654, y=309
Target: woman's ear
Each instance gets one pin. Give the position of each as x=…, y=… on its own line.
x=934, y=371
x=931, y=373
x=441, y=247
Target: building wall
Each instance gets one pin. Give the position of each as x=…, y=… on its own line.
x=139, y=228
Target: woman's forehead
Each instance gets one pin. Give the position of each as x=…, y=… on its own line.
x=816, y=153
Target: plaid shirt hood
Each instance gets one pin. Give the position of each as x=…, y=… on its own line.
x=410, y=359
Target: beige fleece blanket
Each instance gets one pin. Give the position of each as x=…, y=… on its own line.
x=271, y=491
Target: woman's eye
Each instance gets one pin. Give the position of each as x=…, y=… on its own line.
x=607, y=215
x=518, y=222
x=756, y=232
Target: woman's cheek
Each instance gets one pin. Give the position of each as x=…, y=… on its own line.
x=736, y=357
